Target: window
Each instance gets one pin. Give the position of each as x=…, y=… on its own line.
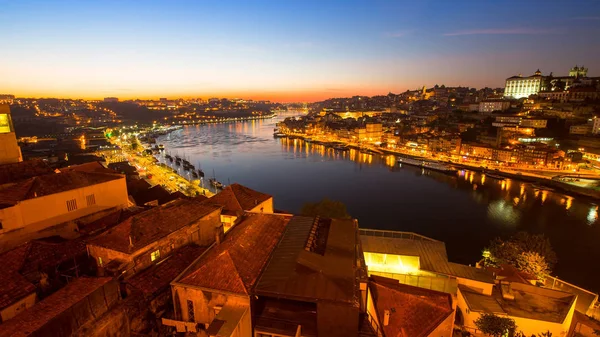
x=91, y=200
x=71, y=205
x=190, y=307
x=155, y=255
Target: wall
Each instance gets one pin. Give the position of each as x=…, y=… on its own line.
x=39, y=213
x=201, y=232
x=18, y=307
x=264, y=207
x=484, y=288
x=337, y=319
x=204, y=302
x=9, y=150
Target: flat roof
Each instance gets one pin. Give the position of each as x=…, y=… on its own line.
x=302, y=268
x=227, y=320
x=530, y=302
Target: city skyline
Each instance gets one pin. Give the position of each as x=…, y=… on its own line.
x=285, y=52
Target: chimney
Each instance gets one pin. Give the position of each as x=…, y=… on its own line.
x=130, y=241
x=219, y=233
x=386, y=317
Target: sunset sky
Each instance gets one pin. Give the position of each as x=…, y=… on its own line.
x=285, y=50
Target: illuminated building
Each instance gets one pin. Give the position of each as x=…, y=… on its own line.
x=523, y=87
x=493, y=105
x=9, y=149
x=596, y=126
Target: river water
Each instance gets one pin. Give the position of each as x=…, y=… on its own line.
x=465, y=211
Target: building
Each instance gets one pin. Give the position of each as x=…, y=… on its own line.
x=56, y=204
x=596, y=125
x=236, y=199
x=488, y=106
x=534, y=309
x=111, y=100
x=148, y=237
x=484, y=151
x=67, y=311
x=38, y=266
x=404, y=310
x=578, y=71
x=523, y=87
x=9, y=149
x=582, y=129
x=6, y=99
x=213, y=294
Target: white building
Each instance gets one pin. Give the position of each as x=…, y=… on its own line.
x=523, y=87
x=493, y=105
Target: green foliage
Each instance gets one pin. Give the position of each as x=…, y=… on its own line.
x=545, y=334
x=520, y=249
x=495, y=326
x=326, y=208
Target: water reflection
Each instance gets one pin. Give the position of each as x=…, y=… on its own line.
x=465, y=210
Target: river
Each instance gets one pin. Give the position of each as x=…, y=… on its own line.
x=465, y=211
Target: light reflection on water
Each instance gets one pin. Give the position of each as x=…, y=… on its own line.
x=465, y=210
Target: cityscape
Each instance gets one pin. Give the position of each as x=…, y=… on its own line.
x=257, y=169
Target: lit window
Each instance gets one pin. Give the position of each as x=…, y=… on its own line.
x=155, y=255
x=71, y=205
x=91, y=200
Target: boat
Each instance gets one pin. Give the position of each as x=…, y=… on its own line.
x=341, y=147
x=168, y=156
x=435, y=166
x=161, y=147
x=494, y=176
x=544, y=188
x=194, y=174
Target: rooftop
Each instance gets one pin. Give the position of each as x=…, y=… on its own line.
x=35, y=317
x=529, y=302
x=238, y=198
x=158, y=277
x=414, y=312
x=235, y=264
x=92, y=167
x=36, y=255
x=147, y=227
x=431, y=253
x=51, y=184
x=313, y=264
x=12, y=173
x=282, y=317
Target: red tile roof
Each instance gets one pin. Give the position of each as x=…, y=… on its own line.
x=12, y=173
x=152, y=225
x=235, y=264
x=35, y=317
x=93, y=167
x=157, y=278
x=236, y=197
x=414, y=312
x=51, y=184
x=28, y=258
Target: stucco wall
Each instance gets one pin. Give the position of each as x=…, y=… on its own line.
x=18, y=307
x=204, y=303
x=445, y=328
x=264, y=207
x=9, y=150
x=484, y=288
x=49, y=210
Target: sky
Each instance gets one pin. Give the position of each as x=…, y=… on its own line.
x=285, y=50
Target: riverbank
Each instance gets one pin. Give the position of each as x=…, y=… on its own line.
x=538, y=180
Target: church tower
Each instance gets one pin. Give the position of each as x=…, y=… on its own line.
x=9, y=149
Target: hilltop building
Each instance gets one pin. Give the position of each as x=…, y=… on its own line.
x=10, y=152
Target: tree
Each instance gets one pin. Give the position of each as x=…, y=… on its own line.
x=534, y=264
x=559, y=85
x=509, y=251
x=495, y=326
x=326, y=208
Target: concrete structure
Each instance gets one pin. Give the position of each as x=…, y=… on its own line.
x=596, y=125
x=9, y=149
x=149, y=237
x=580, y=129
x=236, y=199
x=50, y=204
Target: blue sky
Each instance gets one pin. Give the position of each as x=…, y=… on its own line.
x=285, y=50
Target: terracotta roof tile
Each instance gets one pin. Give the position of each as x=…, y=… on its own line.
x=235, y=264
x=35, y=317
x=158, y=277
x=31, y=257
x=149, y=226
x=414, y=312
x=236, y=197
x=92, y=167
x=12, y=173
